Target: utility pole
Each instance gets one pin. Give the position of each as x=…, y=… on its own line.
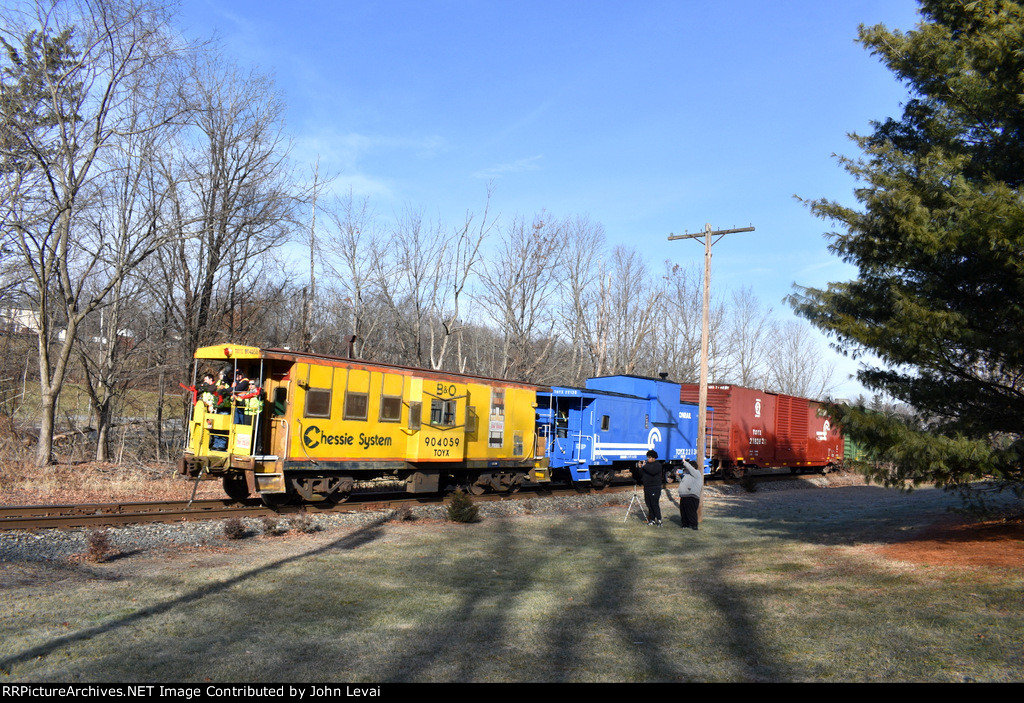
x=710, y=237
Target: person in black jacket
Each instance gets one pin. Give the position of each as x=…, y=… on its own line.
x=652, y=475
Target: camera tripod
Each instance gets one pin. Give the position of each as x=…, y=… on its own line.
x=635, y=499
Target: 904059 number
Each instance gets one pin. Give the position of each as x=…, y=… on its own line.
x=441, y=441
x=442, y=446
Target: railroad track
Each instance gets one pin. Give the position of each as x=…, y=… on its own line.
x=35, y=517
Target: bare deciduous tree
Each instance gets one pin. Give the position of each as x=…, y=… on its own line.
x=519, y=288
x=458, y=263
x=351, y=252
x=747, y=339
x=797, y=365
x=76, y=89
x=583, y=314
x=125, y=212
x=679, y=327
x=230, y=196
x=634, y=304
x=409, y=284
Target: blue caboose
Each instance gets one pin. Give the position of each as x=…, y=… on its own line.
x=594, y=432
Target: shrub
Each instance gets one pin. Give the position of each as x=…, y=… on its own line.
x=234, y=528
x=302, y=523
x=461, y=508
x=404, y=514
x=99, y=548
x=272, y=527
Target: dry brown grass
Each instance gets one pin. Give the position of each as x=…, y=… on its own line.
x=21, y=483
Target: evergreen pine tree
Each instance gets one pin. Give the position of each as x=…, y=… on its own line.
x=938, y=241
x=461, y=508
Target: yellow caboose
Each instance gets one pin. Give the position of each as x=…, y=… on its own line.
x=317, y=427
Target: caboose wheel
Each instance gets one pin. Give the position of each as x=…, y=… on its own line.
x=236, y=487
x=338, y=496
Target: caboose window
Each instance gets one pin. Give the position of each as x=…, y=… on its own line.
x=605, y=423
x=355, y=405
x=442, y=413
x=496, y=425
x=280, y=404
x=390, y=408
x=318, y=402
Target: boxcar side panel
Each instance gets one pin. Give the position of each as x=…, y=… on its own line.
x=755, y=428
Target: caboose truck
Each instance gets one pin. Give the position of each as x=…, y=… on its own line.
x=605, y=429
x=329, y=425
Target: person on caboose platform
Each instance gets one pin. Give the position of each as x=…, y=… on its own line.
x=239, y=391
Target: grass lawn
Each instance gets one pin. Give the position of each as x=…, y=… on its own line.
x=772, y=588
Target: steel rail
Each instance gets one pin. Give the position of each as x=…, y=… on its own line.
x=68, y=516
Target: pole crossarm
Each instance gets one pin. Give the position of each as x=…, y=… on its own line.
x=714, y=233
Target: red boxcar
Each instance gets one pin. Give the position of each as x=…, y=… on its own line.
x=758, y=429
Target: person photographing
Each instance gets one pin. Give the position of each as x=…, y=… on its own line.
x=691, y=486
x=652, y=476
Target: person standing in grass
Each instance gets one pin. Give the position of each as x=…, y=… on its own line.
x=652, y=475
x=691, y=486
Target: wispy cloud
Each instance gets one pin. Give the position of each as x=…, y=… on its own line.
x=530, y=163
x=350, y=157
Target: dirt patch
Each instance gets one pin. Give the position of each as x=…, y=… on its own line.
x=957, y=542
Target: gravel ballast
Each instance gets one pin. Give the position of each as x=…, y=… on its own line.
x=58, y=545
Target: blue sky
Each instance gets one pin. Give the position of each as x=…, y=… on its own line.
x=649, y=117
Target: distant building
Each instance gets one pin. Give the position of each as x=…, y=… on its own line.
x=15, y=320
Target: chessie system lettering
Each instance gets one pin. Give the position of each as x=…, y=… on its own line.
x=313, y=437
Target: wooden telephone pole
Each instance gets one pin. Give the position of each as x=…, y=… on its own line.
x=710, y=237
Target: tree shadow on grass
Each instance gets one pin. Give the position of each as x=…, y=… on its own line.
x=476, y=635
x=838, y=516
x=353, y=540
x=457, y=611
x=482, y=586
